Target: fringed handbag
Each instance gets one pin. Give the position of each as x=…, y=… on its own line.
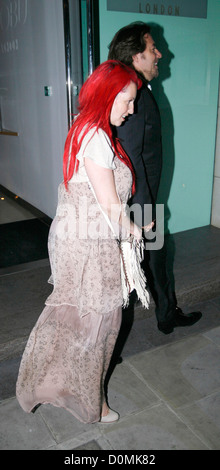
x=132, y=275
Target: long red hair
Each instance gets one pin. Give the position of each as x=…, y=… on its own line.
x=96, y=98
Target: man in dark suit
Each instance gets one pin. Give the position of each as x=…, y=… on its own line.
x=140, y=136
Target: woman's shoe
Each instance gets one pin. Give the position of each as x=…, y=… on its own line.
x=111, y=417
x=35, y=408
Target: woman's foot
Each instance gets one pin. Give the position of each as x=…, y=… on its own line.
x=108, y=415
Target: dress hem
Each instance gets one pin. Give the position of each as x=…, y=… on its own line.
x=34, y=408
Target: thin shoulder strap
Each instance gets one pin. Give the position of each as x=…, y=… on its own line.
x=103, y=212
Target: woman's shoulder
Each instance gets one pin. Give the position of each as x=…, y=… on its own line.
x=97, y=134
x=97, y=146
x=97, y=139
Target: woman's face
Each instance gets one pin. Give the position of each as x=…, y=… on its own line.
x=123, y=105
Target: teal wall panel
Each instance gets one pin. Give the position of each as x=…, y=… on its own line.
x=187, y=94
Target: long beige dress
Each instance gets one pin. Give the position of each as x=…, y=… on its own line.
x=69, y=349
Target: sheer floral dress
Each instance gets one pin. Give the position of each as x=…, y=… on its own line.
x=69, y=349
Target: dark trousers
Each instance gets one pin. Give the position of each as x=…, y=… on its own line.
x=156, y=265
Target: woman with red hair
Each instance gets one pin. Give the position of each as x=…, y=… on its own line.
x=70, y=347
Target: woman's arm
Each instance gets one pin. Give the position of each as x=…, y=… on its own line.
x=103, y=183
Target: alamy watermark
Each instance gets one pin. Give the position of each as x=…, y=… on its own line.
x=87, y=221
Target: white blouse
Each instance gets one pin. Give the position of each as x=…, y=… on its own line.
x=96, y=145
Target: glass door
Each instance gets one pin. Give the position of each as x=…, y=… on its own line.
x=81, y=31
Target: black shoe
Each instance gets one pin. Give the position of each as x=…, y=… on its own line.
x=180, y=319
x=119, y=360
x=166, y=327
x=35, y=408
x=185, y=319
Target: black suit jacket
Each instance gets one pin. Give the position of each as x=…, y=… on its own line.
x=140, y=136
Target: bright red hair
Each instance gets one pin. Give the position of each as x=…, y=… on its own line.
x=96, y=99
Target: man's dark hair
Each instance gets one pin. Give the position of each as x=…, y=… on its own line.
x=128, y=41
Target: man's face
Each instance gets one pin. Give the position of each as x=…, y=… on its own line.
x=146, y=62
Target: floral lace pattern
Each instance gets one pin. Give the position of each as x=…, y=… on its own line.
x=84, y=259
x=66, y=360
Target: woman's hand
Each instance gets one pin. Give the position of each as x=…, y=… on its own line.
x=135, y=231
x=148, y=227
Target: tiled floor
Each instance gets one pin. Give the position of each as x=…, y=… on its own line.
x=11, y=210
x=167, y=389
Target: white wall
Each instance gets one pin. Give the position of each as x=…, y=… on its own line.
x=216, y=187
x=32, y=56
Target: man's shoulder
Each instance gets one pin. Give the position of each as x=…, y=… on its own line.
x=145, y=99
x=146, y=90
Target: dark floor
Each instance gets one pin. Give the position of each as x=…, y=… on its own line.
x=24, y=231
